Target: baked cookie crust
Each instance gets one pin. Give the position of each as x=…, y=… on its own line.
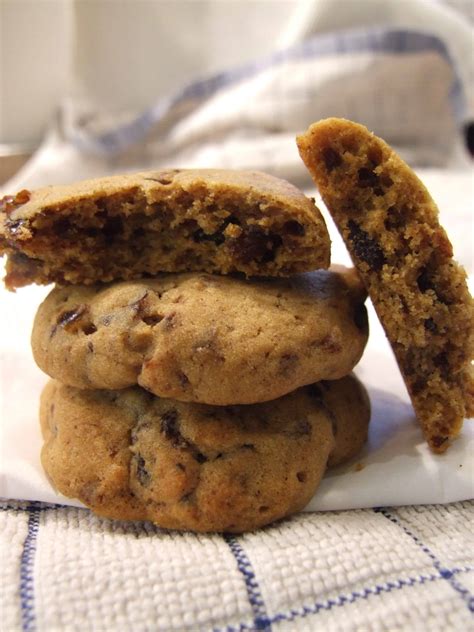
x=128, y=226
x=131, y=456
x=204, y=338
x=390, y=225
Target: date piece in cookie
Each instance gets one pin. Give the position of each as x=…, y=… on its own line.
x=125, y=227
x=204, y=338
x=131, y=456
x=390, y=225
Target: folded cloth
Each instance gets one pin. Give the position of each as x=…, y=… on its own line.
x=402, y=84
x=410, y=568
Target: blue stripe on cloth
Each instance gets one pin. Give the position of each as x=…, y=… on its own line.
x=445, y=573
x=5, y=506
x=342, y=600
x=27, y=606
x=261, y=620
x=345, y=42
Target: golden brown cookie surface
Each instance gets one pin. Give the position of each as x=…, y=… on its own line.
x=390, y=225
x=204, y=338
x=129, y=455
x=124, y=227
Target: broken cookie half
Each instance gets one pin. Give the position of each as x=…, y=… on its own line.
x=390, y=226
x=130, y=226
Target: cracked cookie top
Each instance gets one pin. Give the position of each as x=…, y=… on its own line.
x=130, y=455
x=204, y=338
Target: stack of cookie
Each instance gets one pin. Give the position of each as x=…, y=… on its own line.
x=184, y=392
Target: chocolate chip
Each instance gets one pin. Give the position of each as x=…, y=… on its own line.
x=143, y=475
x=216, y=238
x=170, y=321
x=199, y=457
x=386, y=180
x=395, y=217
x=441, y=362
x=170, y=428
x=274, y=242
x=423, y=281
x=248, y=446
x=301, y=476
x=89, y=329
x=152, y=319
x=71, y=316
x=366, y=248
x=112, y=227
x=331, y=158
x=287, y=363
x=62, y=226
x=438, y=441
x=330, y=345
x=255, y=245
x=417, y=386
x=183, y=379
x=375, y=156
x=292, y=227
x=185, y=199
x=430, y=325
x=139, y=305
x=367, y=178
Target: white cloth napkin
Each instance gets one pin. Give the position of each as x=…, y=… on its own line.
x=395, y=467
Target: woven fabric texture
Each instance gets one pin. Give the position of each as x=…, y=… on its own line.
x=409, y=568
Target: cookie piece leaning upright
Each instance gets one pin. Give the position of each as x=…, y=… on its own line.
x=204, y=338
x=132, y=456
x=390, y=225
x=125, y=227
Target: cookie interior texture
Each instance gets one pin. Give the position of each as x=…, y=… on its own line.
x=129, y=455
x=390, y=225
x=204, y=338
x=125, y=227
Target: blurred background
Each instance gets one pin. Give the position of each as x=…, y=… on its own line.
x=89, y=87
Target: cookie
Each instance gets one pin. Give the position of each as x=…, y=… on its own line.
x=130, y=455
x=390, y=225
x=204, y=338
x=128, y=226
